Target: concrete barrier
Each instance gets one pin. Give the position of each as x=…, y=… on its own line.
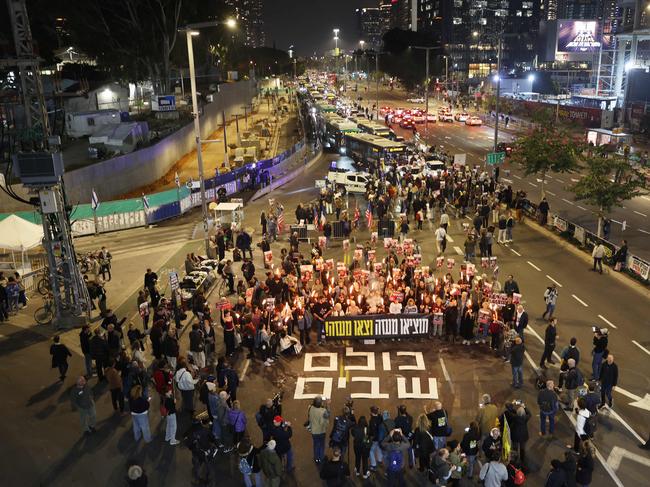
x=114, y=177
x=286, y=178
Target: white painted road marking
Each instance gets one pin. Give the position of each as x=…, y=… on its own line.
x=607, y=321
x=449, y=239
x=641, y=347
x=458, y=251
x=518, y=177
x=534, y=266
x=507, y=180
x=551, y=193
x=575, y=180
x=616, y=221
x=554, y=280
x=645, y=198
x=532, y=184
x=583, y=209
x=515, y=252
x=559, y=181
x=644, y=231
x=642, y=214
x=580, y=301
x=567, y=201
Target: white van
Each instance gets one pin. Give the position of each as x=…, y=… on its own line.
x=353, y=182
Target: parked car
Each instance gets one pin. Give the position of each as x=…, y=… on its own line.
x=461, y=117
x=503, y=147
x=432, y=117
x=474, y=121
x=446, y=117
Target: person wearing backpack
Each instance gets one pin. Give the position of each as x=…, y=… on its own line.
x=335, y=472
x=404, y=421
x=516, y=475
x=583, y=429
x=385, y=427
x=547, y=401
x=585, y=467
x=440, y=428
x=249, y=465
x=570, y=351
x=361, y=444
x=395, y=446
x=340, y=435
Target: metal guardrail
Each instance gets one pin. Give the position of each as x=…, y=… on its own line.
x=587, y=240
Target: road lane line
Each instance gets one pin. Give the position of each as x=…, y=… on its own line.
x=445, y=373
x=644, y=231
x=559, y=180
x=580, y=301
x=534, y=266
x=616, y=221
x=507, y=180
x=554, y=280
x=641, y=347
x=458, y=251
x=575, y=180
x=245, y=369
x=449, y=239
x=645, y=198
x=607, y=321
x=551, y=193
x=567, y=201
x=583, y=209
x=532, y=184
x=518, y=177
x=617, y=416
x=516, y=253
x=642, y=214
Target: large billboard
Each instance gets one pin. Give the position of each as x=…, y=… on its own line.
x=578, y=36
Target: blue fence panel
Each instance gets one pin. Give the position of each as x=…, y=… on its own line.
x=170, y=210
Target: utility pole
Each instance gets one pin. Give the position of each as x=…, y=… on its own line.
x=426, y=81
x=377, y=76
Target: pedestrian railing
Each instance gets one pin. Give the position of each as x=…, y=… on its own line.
x=587, y=240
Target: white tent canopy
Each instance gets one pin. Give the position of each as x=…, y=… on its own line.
x=17, y=234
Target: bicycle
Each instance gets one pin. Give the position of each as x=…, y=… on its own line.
x=45, y=314
x=43, y=285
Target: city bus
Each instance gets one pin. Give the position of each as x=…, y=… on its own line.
x=334, y=130
x=371, y=148
x=374, y=128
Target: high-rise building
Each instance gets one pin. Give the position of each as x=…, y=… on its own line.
x=404, y=14
x=469, y=29
x=249, y=15
x=369, y=23
x=385, y=9
x=578, y=9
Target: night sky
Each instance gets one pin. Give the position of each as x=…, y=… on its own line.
x=308, y=24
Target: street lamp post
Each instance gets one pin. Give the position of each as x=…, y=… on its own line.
x=336, y=49
x=496, y=103
x=426, y=83
x=191, y=31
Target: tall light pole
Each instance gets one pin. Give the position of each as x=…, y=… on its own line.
x=426, y=82
x=447, y=74
x=336, y=49
x=497, y=78
x=190, y=32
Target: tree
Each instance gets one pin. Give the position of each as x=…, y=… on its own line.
x=546, y=148
x=608, y=182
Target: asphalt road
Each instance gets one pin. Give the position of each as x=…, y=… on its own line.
x=46, y=448
x=476, y=142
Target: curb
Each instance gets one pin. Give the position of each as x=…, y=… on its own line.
x=620, y=277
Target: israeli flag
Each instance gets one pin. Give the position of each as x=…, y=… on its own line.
x=94, y=201
x=145, y=202
x=177, y=180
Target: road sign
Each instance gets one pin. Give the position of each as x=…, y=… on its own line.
x=494, y=158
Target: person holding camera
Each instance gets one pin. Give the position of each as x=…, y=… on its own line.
x=318, y=418
x=264, y=417
x=282, y=432
x=396, y=447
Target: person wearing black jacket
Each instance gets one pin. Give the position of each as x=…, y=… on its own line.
x=60, y=354
x=510, y=286
x=550, y=335
x=469, y=446
x=608, y=380
x=202, y=445
x=99, y=352
x=517, y=363
x=282, y=432
x=518, y=421
x=361, y=445
x=170, y=348
x=585, y=467
x=335, y=472
x=150, y=280
x=248, y=458
x=84, y=340
x=599, y=352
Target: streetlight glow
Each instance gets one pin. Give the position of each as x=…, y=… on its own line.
x=495, y=78
x=475, y=33
x=531, y=77
x=231, y=23
x=194, y=33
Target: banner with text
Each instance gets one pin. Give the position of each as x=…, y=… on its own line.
x=377, y=326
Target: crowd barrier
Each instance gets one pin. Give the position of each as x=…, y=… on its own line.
x=583, y=238
x=131, y=213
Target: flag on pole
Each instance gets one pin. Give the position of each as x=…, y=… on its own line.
x=506, y=442
x=145, y=201
x=94, y=201
x=369, y=215
x=323, y=220
x=177, y=180
x=280, y=219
